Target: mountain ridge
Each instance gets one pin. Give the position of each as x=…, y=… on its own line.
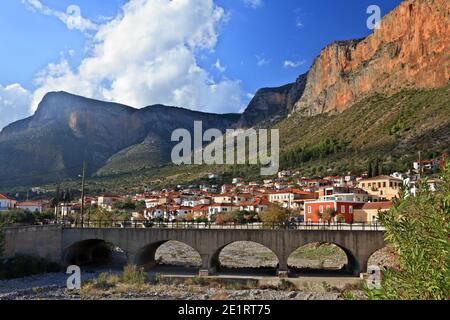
x=410, y=51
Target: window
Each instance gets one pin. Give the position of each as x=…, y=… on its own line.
x=321, y=209
x=350, y=209
x=309, y=209
x=342, y=209
x=328, y=207
x=363, y=185
x=384, y=184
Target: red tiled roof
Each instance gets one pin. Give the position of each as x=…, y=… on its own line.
x=377, y=205
x=29, y=203
x=223, y=195
x=2, y=196
x=222, y=205
x=200, y=207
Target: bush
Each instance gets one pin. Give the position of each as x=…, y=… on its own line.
x=286, y=285
x=23, y=266
x=418, y=228
x=134, y=275
x=275, y=214
x=16, y=216
x=106, y=280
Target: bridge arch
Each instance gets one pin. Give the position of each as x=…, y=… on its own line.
x=384, y=257
x=146, y=255
x=94, y=252
x=313, y=251
x=215, y=264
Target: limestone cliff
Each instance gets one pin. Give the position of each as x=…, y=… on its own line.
x=410, y=50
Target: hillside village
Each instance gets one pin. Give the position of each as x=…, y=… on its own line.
x=332, y=199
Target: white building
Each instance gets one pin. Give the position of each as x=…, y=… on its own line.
x=32, y=206
x=107, y=202
x=6, y=203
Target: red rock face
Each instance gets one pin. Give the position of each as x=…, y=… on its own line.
x=410, y=50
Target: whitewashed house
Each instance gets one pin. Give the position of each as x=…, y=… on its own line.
x=32, y=206
x=6, y=203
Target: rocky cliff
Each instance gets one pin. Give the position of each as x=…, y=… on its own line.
x=273, y=104
x=410, y=50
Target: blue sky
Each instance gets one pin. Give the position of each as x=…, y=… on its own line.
x=242, y=45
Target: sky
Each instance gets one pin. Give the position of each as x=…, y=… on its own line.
x=207, y=55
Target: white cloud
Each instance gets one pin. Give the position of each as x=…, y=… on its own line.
x=299, y=23
x=293, y=64
x=219, y=66
x=14, y=104
x=261, y=60
x=71, y=18
x=299, y=15
x=253, y=3
x=146, y=55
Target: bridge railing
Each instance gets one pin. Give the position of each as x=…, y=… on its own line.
x=375, y=226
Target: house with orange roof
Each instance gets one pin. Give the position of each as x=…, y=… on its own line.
x=217, y=208
x=369, y=211
x=6, y=203
x=32, y=206
x=291, y=198
x=200, y=211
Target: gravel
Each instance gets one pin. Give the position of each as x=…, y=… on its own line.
x=240, y=254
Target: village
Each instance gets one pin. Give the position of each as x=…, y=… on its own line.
x=332, y=199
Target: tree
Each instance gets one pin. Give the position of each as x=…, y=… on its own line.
x=376, y=168
x=220, y=219
x=101, y=214
x=327, y=214
x=275, y=214
x=418, y=227
x=126, y=205
x=241, y=216
x=140, y=206
x=67, y=197
x=57, y=198
x=369, y=170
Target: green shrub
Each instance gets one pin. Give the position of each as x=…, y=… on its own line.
x=106, y=280
x=286, y=285
x=418, y=227
x=23, y=266
x=348, y=295
x=134, y=275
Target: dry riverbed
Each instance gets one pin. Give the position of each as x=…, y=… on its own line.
x=237, y=255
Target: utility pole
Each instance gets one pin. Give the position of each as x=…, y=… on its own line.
x=82, y=194
x=420, y=167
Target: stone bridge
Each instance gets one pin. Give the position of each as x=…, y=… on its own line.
x=60, y=244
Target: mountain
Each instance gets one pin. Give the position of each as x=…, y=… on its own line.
x=270, y=105
x=66, y=129
x=410, y=50
x=382, y=96
x=389, y=128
